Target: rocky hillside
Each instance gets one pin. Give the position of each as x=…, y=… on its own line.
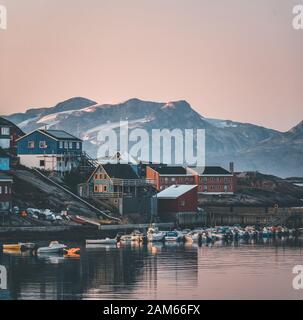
x=259, y=190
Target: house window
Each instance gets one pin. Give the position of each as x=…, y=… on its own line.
x=0, y=190
x=61, y=144
x=31, y=144
x=5, y=131
x=96, y=188
x=42, y=145
x=78, y=145
x=182, y=203
x=96, y=176
x=4, y=205
x=6, y=190
x=71, y=145
x=105, y=188
x=65, y=145
x=42, y=163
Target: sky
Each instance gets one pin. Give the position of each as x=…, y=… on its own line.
x=230, y=59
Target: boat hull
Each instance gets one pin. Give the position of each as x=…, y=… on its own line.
x=48, y=250
x=12, y=247
x=102, y=241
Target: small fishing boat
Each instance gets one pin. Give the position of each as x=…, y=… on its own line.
x=12, y=247
x=126, y=238
x=54, y=247
x=154, y=235
x=102, y=241
x=193, y=236
x=19, y=246
x=173, y=236
x=135, y=236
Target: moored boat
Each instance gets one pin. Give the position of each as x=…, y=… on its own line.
x=193, y=236
x=173, y=236
x=135, y=236
x=102, y=241
x=154, y=235
x=54, y=247
x=19, y=246
x=12, y=247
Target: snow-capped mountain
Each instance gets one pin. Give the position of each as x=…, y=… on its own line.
x=251, y=147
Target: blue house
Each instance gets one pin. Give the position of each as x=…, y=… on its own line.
x=4, y=161
x=53, y=150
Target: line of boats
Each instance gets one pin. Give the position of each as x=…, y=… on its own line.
x=53, y=248
x=198, y=235
x=203, y=235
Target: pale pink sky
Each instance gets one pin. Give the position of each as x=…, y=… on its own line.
x=230, y=59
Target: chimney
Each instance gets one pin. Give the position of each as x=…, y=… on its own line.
x=231, y=167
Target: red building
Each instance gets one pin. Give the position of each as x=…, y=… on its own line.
x=166, y=176
x=177, y=199
x=214, y=180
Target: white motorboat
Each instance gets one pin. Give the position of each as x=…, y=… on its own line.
x=173, y=236
x=135, y=236
x=154, y=235
x=54, y=247
x=126, y=238
x=102, y=241
x=193, y=236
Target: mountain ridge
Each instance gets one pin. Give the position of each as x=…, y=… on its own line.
x=251, y=147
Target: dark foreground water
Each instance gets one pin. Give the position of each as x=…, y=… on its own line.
x=244, y=271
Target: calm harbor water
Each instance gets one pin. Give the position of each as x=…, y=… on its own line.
x=171, y=271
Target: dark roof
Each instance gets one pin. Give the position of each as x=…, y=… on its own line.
x=170, y=170
x=60, y=135
x=5, y=122
x=120, y=171
x=215, y=170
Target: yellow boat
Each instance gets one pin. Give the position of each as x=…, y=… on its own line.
x=12, y=247
x=19, y=246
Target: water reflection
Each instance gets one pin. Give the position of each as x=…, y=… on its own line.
x=158, y=271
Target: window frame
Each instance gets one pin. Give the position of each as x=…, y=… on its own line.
x=31, y=144
x=42, y=144
x=5, y=131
